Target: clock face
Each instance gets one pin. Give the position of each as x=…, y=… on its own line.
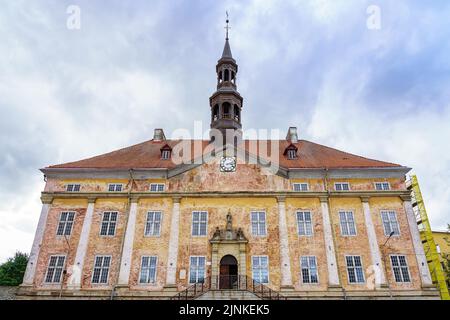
x=228, y=164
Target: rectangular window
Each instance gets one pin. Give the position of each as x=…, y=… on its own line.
x=114, y=187
x=157, y=187
x=347, y=221
x=260, y=269
x=148, y=269
x=55, y=269
x=165, y=154
x=292, y=154
x=382, y=186
x=197, y=270
x=101, y=269
x=390, y=223
x=153, y=224
x=109, y=224
x=301, y=187
x=258, y=223
x=354, y=269
x=342, y=186
x=199, y=223
x=73, y=188
x=65, y=223
x=304, y=223
x=400, y=269
x=309, y=269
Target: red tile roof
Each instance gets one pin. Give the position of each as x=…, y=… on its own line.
x=147, y=155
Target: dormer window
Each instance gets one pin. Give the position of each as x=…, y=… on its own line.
x=291, y=152
x=166, y=152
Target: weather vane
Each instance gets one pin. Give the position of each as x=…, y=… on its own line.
x=227, y=27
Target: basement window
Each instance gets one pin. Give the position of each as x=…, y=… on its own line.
x=73, y=188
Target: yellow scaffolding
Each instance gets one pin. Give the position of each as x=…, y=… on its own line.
x=437, y=273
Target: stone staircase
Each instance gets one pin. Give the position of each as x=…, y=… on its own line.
x=228, y=295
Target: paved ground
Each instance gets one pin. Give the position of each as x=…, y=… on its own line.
x=7, y=293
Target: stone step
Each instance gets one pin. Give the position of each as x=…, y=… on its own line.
x=228, y=295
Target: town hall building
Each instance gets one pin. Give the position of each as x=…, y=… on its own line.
x=292, y=217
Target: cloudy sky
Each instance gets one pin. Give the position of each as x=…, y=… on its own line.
x=380, y=91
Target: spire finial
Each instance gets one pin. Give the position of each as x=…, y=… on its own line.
x=227, y=26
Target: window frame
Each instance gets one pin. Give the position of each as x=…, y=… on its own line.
x=348, y=273
x=115, y=187
x=158, y=185
x=61, y=276
x=109, y=222
x=268, y=268
x=382, y=183
x=291, y=154
x=101, y=270
x=304, y=223
x=309, y=270
x=190, y=269
x=65, y=224
x=258, y=222
x=346, y=218
x=74, y=186
x=164, y=153
x=300, y=184
x=401, y=272
x=387, y=234
x=160, y=224
x=148, y=271
x=199, y=224
x=342, y=184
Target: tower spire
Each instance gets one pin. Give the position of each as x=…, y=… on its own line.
x=227, y=27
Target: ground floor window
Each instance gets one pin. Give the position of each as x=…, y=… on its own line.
x=260, y=269
x=354, y=269
x=400, y=269
x=101, y=269
x=55, y=269
x=148, y=269
x=309, y=269
x=197, y=270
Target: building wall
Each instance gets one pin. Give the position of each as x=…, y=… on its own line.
x=207, y=179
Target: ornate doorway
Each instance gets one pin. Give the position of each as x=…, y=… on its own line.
x=228, y=273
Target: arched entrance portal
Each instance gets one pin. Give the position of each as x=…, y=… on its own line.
x=228, y=278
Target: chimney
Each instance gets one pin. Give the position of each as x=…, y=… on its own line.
x=292, y=135
x=159, y=135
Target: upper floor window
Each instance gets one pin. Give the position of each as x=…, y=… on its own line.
x=260, y=269
x=153, y=224
x=309, y=269
x=157, y=187
x=148, y=269
x=199, y=223
x=382, y=186
x=115, y=187
x=109, y=222
x=55, y=269
x=300, y=187
x=342, y=186
x=400, y=269
x=166, y=152
x=101, y=269
x=258, y=223
x=65, y=223
x=73, y=187
x=390, y=223
x=197, y=270
x=347, y=222
x=354, y=269
x=304, y=223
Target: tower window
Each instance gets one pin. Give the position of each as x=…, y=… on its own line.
x=227, y=75
x=216, y=112
x=236, y=113
x=226, y=110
